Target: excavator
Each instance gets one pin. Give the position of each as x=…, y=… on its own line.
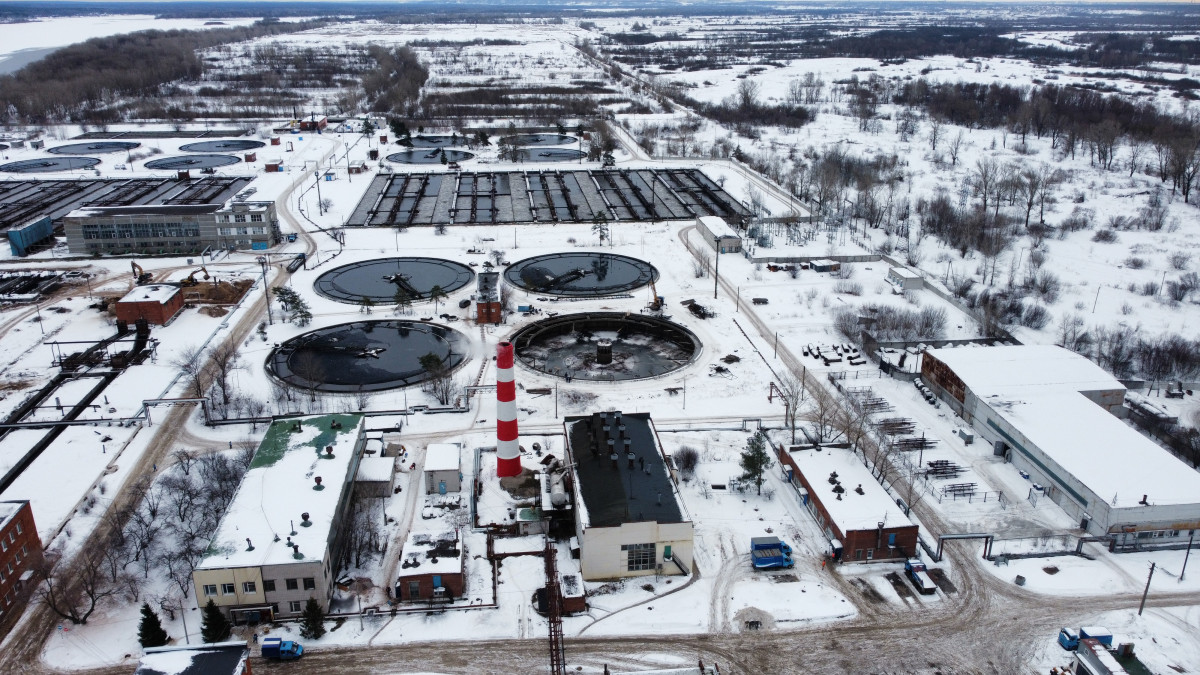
x=656, y=305
x=140, y=276
x=191, y=278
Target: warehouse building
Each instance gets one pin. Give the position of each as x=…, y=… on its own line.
x=860, y=520
x=719, y=235
x=1053, y=414
x=629, y=520
x=171, y=228
x=282, y=535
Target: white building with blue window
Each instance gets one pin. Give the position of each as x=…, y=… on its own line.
x=443, y=468
x=1054, y=415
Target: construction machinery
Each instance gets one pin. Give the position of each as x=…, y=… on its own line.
x=140, y=276
x=191, y=278
x=656, y=305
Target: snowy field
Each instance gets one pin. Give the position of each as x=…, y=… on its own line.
x=709, y=404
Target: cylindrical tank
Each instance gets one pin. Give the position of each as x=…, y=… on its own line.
x=603, y=352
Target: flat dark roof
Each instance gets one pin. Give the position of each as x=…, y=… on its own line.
x=215, y=659
x=613, y=496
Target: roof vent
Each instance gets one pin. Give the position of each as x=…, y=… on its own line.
x=304, y=521
x=318, y=486
x=249, y=546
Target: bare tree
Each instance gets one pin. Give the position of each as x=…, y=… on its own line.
x=955, y=147
x=190, y=360
x=791, y=390
x=185, y=458
x=74, y=592
x=935, y=134
x=747, y=94
x=823, y=413
x=225, y=359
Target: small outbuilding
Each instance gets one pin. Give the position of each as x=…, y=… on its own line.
x=718, y=234
x=905, y=279
x=825, y=265
x=431, y=568
x=376, y=476
x=156, y=303
x=443, y=468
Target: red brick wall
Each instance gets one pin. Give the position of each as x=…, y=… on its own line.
x=452, y=582
x=12, y=591
x=153, y=312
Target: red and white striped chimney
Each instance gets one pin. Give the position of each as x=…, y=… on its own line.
x=508, y=451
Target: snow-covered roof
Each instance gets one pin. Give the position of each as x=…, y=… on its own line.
x=904, y=273
x=853, y=511
x=999, y=370
x=377, y=469
x=442, y=457
x=717, y=226
x=1107, y=455
x=160, y=293
x=278, y=488
x=431, y=553
x=8, y=510
x=221, y=658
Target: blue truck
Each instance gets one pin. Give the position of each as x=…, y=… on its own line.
x=769, y=553
x=919, y=576
x=1069, y=639
x=284, y=650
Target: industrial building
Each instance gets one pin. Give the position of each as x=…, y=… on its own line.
x=156, y=303
x=629, y=519
x=171, y=228
x=431, y=568
x=860, y=519
x=443, y=471
x=718, y=234
x=282, y=536
x=20, y=556
x=905, y=279
x=1053, y=414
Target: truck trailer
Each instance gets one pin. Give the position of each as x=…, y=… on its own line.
x=284, y=650
x=917, y=574
x=770, y=552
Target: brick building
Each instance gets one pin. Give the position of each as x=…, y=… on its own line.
x=431, y=568
x=860, y=519
x=156, y=303
x=20, y=557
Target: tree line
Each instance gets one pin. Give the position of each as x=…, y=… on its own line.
x=88, y=82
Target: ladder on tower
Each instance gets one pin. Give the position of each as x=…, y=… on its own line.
x=558, y=664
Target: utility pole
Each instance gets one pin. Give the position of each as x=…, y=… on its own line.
x=1147, y=591
x=717, y=267
x=320, y=202
x=1188, y=554
x=262, y=260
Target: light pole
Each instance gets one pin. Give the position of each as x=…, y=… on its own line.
x=717, y=267
x=262, y=260
x=320, y=204
x=1187, y=555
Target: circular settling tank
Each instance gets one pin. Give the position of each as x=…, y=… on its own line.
x=192, y=162
x=379, y=280
x=227, y=145
x=366, y=355
x=605, y=346
x=429, y=156
x=96, y=148
x=437, y=141
x=580, y=275
x=538, y=140
x=547, y=155
x=48, y=164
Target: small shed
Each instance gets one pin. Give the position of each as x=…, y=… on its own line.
x=274, y=140
x=156, y=303
x=273, y=166
x=905, y=279
x=442, y=468
x=37, y=144
x=825, y=265
x=357, y=167
x=376, y=476
x=314, y=124
x=431, y=568
x=574, y=599
x=250, y=157
x=718, y=234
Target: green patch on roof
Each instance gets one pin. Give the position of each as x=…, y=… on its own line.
x=279, y=436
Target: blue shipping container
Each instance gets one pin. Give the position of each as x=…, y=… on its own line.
x=22, y=238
